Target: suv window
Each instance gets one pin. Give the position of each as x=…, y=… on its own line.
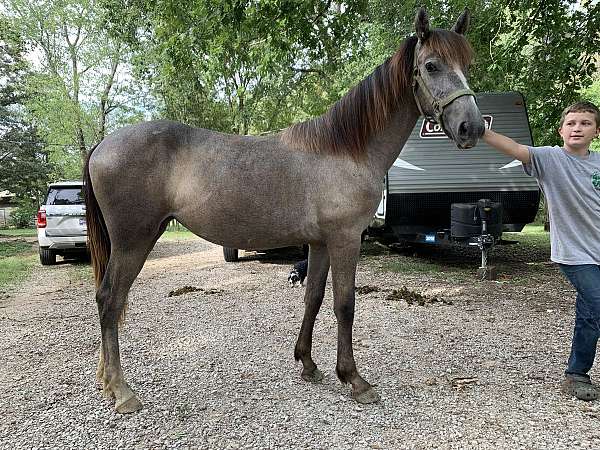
x=65, y=196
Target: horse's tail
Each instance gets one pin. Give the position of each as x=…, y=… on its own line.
x=98, y=239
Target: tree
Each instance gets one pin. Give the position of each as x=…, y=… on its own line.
x=24, y=167
x=547, y=50
x=592, y=94
x=77, y=88
x=230, y=65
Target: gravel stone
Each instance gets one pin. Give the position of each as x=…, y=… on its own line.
x=215, y=368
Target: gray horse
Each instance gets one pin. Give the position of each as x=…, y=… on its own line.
x=236, y=190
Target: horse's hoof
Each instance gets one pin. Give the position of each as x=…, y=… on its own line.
x=312, y=376
x=366, y=397
x=131, y=405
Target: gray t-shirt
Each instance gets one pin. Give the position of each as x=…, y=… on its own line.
x=571, y=186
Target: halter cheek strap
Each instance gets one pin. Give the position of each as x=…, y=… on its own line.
x=437, y=105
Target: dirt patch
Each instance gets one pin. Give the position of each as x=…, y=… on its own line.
x=414, y=298
x=364, y=290
x=188, y=289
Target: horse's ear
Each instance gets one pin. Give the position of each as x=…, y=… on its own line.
x=422, y=24
x=462, y=24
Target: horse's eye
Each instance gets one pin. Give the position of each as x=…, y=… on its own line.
x=430, y=67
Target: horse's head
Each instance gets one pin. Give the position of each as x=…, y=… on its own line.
x=440, y=88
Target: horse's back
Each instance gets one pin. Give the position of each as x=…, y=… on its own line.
x=167, y=169
x=155, y=150
x=140, y=142
x=238, y=191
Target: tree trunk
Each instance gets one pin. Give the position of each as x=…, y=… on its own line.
x=79, y=135
x=104, y=107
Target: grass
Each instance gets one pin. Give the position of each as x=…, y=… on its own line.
x=531, y=235
x=15, y=269
x=530, y=254
x=17, y=256
x=82, y=271
x=461, y=263
x=16, y=260
x=18, y=232
x=13, y=248
x=178, y=234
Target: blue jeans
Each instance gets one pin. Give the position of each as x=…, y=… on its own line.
x=586, y=279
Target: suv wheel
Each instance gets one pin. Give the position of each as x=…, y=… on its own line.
x=47, y=257
x=230, y=254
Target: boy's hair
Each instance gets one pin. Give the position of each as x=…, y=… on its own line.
x=580, y=107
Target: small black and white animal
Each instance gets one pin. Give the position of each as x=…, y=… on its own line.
x=298, y=273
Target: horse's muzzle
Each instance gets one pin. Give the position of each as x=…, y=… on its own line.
x=469, y=132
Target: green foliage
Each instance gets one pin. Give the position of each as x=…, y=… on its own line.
x=23, y=215
x=547, y=50
x=24, y=169
x=24, y=166
x=51, y=108
x=592, y=94
x=80, y=90
x=250, y=67
x=234, y=65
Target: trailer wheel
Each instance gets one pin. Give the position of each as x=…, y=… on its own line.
x=230, y=254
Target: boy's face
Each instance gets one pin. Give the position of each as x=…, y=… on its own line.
x=578, y=130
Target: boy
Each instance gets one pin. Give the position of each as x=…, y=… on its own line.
x=569, y=176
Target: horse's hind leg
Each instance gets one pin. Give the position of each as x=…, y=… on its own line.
x=123, y=267
x=344, y=255
x=318, y=267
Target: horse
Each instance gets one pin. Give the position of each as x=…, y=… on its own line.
x=235, y=190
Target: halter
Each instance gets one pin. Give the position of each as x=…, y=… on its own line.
x=438, y=105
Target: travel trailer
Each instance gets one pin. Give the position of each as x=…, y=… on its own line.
x=431, y=174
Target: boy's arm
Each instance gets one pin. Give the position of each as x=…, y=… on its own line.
x=507, y=146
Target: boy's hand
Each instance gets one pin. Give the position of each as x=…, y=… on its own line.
x=506, y=145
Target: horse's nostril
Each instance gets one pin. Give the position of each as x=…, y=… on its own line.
x=463, y=129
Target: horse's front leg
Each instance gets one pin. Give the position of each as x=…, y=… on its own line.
x=318, y=268
x=344, y=259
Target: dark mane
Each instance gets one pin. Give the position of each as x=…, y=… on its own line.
x=347, y=126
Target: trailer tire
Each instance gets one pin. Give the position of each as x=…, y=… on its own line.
x=230, y=254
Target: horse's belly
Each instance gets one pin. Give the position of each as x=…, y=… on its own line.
x=251, y=230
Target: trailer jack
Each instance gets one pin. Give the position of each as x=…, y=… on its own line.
x=485, y=242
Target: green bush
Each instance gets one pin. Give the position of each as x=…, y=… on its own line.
x=23, y=216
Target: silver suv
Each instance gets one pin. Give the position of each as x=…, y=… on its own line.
x=61, y=225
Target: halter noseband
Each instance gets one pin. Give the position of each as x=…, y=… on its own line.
x=438, y=105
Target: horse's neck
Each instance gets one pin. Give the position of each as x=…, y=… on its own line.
x=385, y=146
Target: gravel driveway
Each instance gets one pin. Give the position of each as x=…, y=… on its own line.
x=215, y=367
